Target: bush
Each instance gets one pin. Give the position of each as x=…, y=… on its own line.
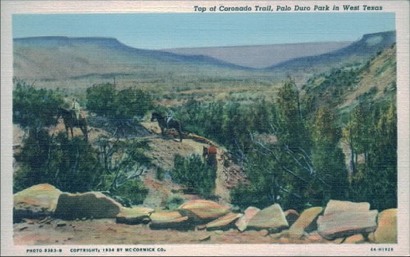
x=133, y=190
x=193, y=173
x=174, y=201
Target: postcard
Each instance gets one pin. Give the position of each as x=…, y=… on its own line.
x=174, y=128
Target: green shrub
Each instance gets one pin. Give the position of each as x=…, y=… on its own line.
x=174, y=201
x=133, y=190
x=105, y=100
x=193, y=173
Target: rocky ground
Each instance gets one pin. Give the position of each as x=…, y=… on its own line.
x=107, y=231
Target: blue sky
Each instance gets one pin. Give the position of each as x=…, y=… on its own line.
x=173, y=30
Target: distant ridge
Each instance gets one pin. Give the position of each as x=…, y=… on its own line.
x=114, y=44
x=367, y=46
x=262, y=56
x=65, y=58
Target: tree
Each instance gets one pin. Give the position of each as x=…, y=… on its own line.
x=34, y=108
x=376, y=180
x=331, y=178
x=70, y=165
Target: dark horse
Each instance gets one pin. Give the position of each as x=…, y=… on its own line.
x=165, y=125
x=71, y=121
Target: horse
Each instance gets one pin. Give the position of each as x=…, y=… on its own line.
x=71, y=121
x=165, y=125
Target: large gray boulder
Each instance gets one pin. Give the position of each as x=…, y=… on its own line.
x=344, y=218
x=86, y=205
x=271, y=218
x=38, y=201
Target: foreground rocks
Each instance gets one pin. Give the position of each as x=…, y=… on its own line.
x=87, y=205
x=386, y=231
x=271, y=218
x=343, y=219
x=339, y=222
x=38, y=201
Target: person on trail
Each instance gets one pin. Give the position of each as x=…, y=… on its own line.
x=170, y=116
x=76, y=108
x=211, y=155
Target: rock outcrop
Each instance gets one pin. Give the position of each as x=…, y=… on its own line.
x=343, y=219
x=86, y=205
x=271, y=218
x=38, y=201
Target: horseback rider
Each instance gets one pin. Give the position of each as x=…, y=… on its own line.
x=210, y=155
x=76, y=108
x=170, y=116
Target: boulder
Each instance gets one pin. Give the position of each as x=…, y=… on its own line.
x=38, y=201
x=343, y=219
x=134, y=215
x=203, y=210
x=305, y=222
x=291, y=216
x=313, y=237
x=86, y=205
x=355, y=239
x=169, y=219
x=243, y=221
x=386, y=231
x=224, y=222
x=271, y=218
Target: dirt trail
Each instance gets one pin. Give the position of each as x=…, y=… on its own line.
x=164, y=150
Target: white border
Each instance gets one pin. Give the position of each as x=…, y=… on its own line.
x=400, y=8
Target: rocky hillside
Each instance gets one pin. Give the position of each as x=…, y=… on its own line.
x=44, y=215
